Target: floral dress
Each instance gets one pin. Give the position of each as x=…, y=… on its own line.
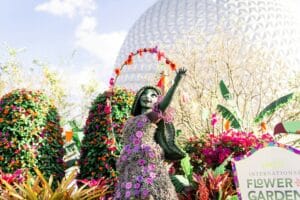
x=143, y=174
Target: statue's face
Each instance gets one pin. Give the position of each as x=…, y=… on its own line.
x=148, y=98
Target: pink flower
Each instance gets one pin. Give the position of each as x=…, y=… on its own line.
x=214, y=119
x=136, y=141
x=128, y=185
x=127, y=194
x=141, y=162
x=149, y=180
x=145, y=193
x=151, y=154
x=139, y=134
x=152, y=175
x=151, y=167
x=118, y=194
x=107, y=109
x=137, y=185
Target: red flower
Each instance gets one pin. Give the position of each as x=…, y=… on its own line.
x=173, y=66
x=117, y=71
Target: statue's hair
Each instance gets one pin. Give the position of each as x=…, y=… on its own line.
x=136, y=106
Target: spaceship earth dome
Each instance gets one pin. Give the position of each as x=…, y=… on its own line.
x=273, y=24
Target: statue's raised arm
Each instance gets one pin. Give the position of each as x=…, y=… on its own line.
x=169, y=95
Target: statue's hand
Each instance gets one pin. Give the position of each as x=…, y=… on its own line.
x=180, y=73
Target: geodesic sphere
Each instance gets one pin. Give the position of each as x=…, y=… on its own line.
x=272, y=24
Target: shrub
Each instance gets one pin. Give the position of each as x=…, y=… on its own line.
x=30, y=134
x=104, y=123
x=210, y=151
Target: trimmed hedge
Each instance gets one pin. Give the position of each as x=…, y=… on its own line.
x=30, y=134
x=98, y=150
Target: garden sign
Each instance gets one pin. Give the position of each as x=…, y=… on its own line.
x=269, y=173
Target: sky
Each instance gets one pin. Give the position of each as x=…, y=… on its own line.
x=79, y=38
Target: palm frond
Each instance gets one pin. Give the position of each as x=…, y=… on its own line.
x=224, y=90
x=272, y=107
x=227, y=114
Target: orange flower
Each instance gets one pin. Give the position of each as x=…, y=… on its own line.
x=263, y=126
x=117, y=71
x=6, y=111
x=226, y=125
x=1, y=120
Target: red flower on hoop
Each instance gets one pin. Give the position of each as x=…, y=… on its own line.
x=117, y=71
x=173, y=66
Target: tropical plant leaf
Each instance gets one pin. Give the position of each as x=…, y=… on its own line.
x=224, y=90
x=221, y=169
x=227, y=114
x=234, y=197
x=180, y=182
x=272, y=107
x=187, y=167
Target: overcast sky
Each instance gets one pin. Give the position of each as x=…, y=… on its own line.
x=73, y=36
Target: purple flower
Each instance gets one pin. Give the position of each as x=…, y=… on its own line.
x=136, y=149
x=146, y=147
x=118, y=194
x=145, y=193
x=127, y=194
x=141, y=162
x=136, y=192
x=123, y=158
x=139, y=134
x=140, y=124
x=137, y=185
x=128, y=151
x=127, y=147
x=151, y=154
x=139, y=179
x=128, y=185
x=131, y=138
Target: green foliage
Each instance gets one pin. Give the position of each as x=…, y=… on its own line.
x=221, y=169
x=273, y=107
x=187, y=167
x=30, y=134
x=99, y=150
x=180, y=182
x=77, y=132
x=224, y=90
x=227, y=114
x=37, y=187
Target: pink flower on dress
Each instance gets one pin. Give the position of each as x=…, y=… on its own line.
x=128, y=185
x=152, y=175
x=140, y=124
x=127, y=194
x=118, y=194
x=137, y=185
x=141, y=162
x=139, y=134
x=149, y=180
x=136, y=141
x=151, y=167
x=151, y=154
x=145, y=193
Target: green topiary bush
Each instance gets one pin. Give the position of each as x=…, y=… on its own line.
x=30, y=134
x=98, y=150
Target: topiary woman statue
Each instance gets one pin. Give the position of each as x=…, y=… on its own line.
x=148, y=139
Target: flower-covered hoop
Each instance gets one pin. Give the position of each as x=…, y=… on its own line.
x=129, y=61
